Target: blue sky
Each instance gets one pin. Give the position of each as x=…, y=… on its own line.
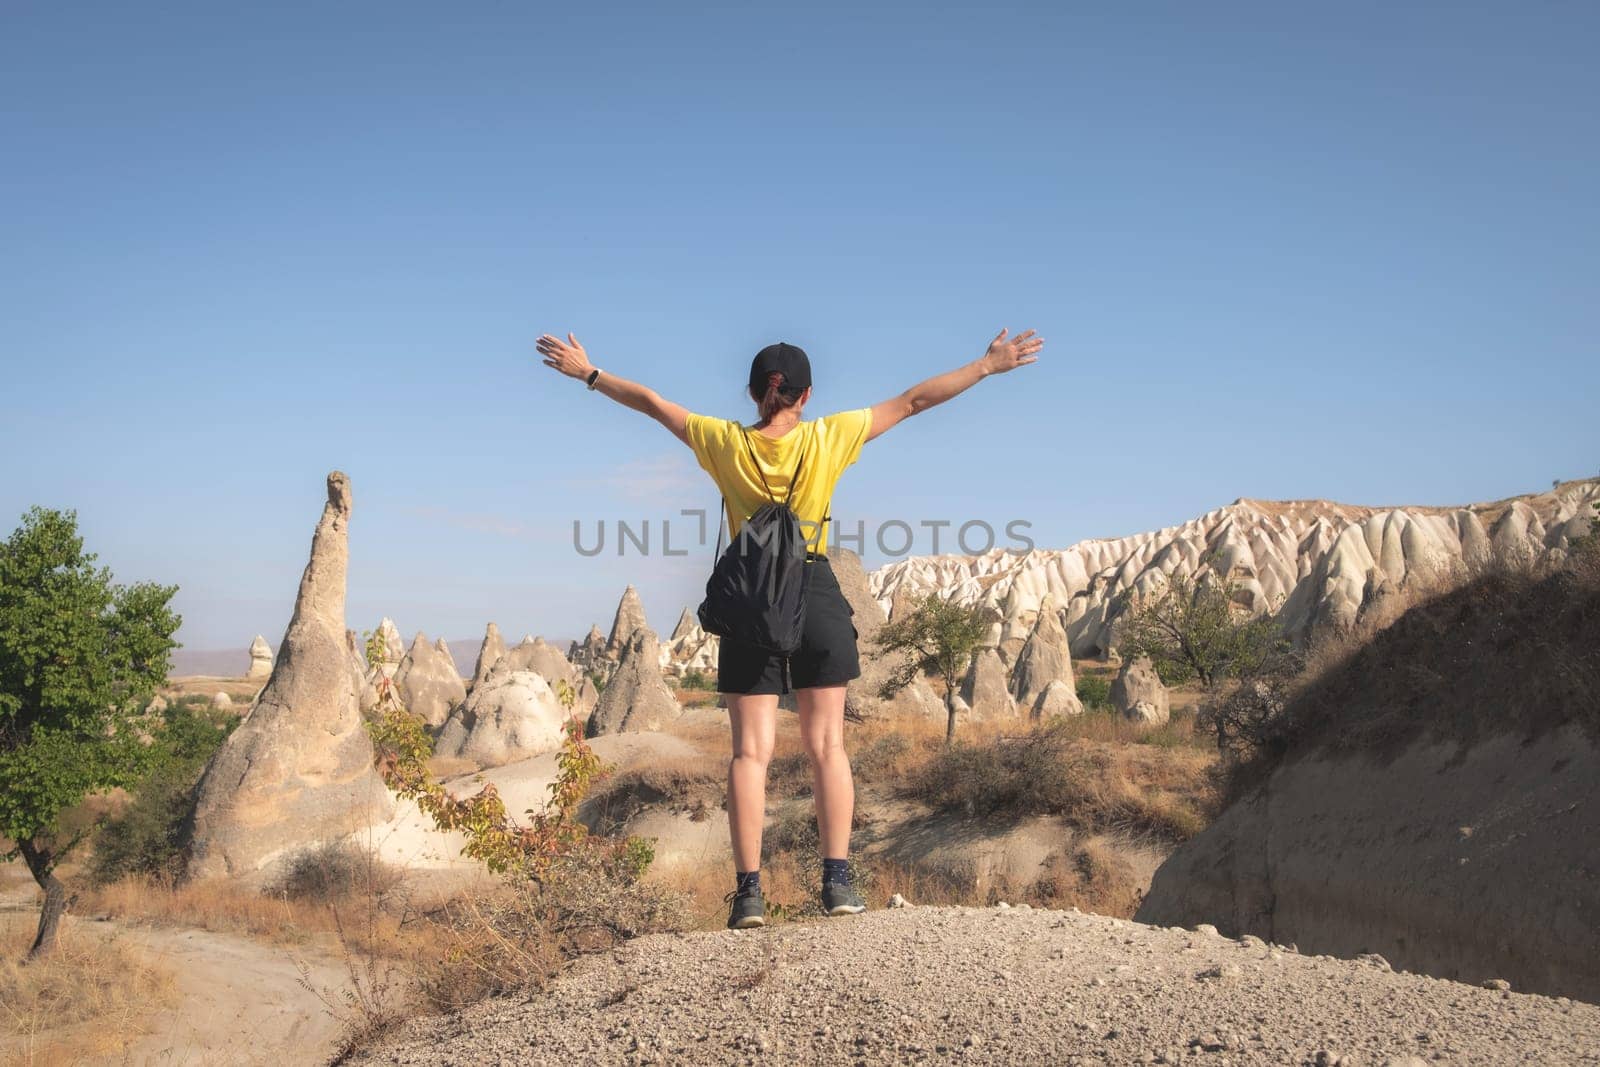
x=1277, y=251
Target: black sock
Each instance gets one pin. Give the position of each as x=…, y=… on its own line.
x=749, y=882
x=836, y=872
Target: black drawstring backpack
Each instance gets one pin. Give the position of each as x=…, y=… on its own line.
x=756, y=594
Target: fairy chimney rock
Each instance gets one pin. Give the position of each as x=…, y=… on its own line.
x=1046, y=657
x=260, y=659
x=637, y=696
x=298, y=771
x=687, y=624
x=985, y=689
x=427, y=681
x=629, y=620
x=489, y=654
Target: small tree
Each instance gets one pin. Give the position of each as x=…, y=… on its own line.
x=941, y=635
x=79, y=658
x=1192, y=631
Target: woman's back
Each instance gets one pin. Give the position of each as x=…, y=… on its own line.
x=747, y=465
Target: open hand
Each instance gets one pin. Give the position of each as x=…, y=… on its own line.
x=567, y=356
x=1009, y=353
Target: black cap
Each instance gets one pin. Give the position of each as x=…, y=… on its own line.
x=781, y=358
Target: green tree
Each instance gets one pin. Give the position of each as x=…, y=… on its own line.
x=147, y=837
x=79, y=657
x=941, y=635
x=1193, y=630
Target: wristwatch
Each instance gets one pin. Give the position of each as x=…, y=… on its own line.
x=594, y=376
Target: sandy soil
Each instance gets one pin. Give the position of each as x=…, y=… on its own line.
x=1001, y=986
x=240, y=1002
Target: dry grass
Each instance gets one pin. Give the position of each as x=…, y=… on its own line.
x=272, y=918
x=1096, y=876
x=403, y=953
x=91, y=999
x=1510, y=651
x=1094, y=784
x=697, y=698
x=1109, y=780
x=702, y=887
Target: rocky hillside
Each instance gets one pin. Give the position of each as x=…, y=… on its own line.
x=1434, y=798
x=1315, y=562
x=1000, y=986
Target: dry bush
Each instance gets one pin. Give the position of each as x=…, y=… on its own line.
x=1093, y=785
x=91, y=998
x=881, y=759
x=403, y=956
x=1106, y=726
x=789, y=775
x=336, y=872
x=889, y=751
x=693, y=785
x=514, y=936
x=1095, y=877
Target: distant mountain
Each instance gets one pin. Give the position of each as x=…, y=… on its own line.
x=210, y=662
x=1312, y=563
x=232, y=662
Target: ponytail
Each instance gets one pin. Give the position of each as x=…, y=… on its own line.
x=779, y=396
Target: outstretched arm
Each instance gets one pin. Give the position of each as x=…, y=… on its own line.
x=570, y=359
x=1004, y=354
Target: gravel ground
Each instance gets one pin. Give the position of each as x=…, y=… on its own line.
x=998, y=985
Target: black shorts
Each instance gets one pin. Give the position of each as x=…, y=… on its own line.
x=827, y=654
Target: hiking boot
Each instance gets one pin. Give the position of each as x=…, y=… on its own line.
x=842, y=900
x=747, y=910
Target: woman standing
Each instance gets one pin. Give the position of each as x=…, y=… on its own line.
x=783, y=458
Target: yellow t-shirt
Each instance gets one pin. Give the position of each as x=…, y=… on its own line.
x=829, y=445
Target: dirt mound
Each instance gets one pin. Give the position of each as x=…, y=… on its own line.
x=931, y=985
x=1435, y=797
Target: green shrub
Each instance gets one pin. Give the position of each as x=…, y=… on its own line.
x=1094, y=691
x=698, y=680
x=147, y=838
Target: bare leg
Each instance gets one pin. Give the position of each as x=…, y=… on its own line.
x=822, y=730
x=754, y=720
